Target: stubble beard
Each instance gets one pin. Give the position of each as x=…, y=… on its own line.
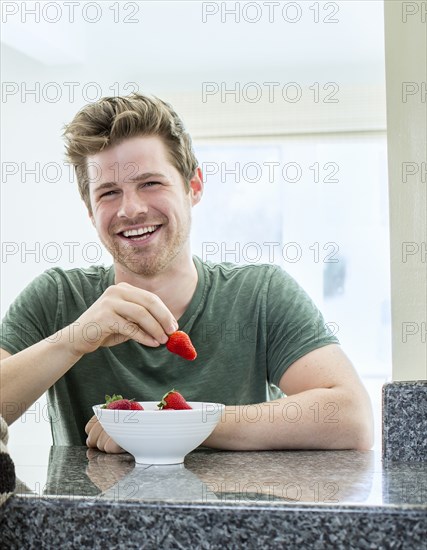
x=149, y=264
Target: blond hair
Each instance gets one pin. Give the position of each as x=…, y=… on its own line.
x=113, y=119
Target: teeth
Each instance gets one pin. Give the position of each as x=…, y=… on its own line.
x=140, y=231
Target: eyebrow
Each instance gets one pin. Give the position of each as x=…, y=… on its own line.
x=139, y=177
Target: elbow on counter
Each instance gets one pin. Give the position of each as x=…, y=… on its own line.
x=355, y=430
x=361, y=423
x=363, y=438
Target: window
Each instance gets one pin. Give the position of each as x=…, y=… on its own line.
x=318, y=207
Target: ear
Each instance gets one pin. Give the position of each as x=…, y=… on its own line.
x=196, y=186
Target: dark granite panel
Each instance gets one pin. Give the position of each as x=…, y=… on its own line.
x=405, y=421
x=68, y=523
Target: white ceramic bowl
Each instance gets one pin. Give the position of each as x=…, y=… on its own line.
x=155, y=436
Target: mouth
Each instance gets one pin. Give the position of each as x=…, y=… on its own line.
x=139, y=235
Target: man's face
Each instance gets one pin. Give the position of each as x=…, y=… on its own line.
x=134, y=188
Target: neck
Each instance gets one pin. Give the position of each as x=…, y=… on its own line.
x=175, y=285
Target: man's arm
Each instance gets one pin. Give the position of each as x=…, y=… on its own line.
x=26, y=375
x=327, y=407
x=121, y=313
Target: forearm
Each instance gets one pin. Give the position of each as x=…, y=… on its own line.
x=26, y=375
x=320, y=418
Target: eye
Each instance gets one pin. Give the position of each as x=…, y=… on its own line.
x=151, y=183
x=108, y=193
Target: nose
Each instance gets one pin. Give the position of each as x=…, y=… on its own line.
x=131, y=205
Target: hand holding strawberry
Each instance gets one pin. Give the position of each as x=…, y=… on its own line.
x=173, y=400
x=179, y=342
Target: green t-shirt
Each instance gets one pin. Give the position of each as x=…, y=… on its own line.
x=248, y=324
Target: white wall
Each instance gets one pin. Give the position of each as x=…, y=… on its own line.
x=406, y=57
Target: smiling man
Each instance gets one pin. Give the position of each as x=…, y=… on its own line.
x=263, y=349
x=143, y=217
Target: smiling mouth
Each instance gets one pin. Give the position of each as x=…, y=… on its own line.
x=140, y=234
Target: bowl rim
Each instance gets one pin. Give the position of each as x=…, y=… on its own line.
x=219, y=406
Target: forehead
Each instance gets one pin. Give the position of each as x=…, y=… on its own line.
x=130, y=156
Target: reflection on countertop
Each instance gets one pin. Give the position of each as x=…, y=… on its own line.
x=72, y=497
x=334, y=478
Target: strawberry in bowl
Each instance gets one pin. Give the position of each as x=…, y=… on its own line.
x=173, y=400
x=158, y=432
x=116, y=402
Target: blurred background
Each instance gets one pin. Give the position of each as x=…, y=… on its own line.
x=286, y=105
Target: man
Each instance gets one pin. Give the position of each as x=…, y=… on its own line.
x=262, y=346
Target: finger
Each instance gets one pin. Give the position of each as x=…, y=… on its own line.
x=137, y=335
x=93, y=435
x=111, y=447
x=139, y=324
x=90, y=423
x=130, y=330
x=153, y=304
x=102, y=440
x=108, y=445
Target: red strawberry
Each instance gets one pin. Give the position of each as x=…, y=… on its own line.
x=173, y=400
x=118, y=403
x=135, y=406
x=179, y=342
x=121, y=404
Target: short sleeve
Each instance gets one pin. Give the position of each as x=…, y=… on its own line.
x=295, y=326
x=33, y=316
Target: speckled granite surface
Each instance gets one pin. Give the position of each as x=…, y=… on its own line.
x=405, y=421
x=80, y=498
x=79, y=524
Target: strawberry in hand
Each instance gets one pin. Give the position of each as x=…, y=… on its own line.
x=173, y=400
x=118, y=403
x=179, y=342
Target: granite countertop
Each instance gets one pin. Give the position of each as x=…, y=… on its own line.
x=216, y=498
